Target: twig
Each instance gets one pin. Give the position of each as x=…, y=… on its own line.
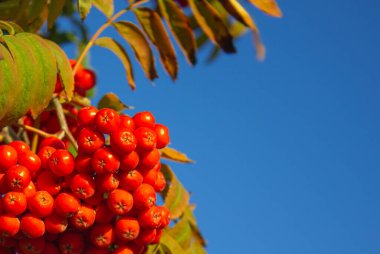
x=7, y=137
x=36, y=131
x=100, y=30
x=63, y=123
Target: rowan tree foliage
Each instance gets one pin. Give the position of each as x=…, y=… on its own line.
x=38, y=80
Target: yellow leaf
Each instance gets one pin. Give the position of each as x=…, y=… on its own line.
x=174, y=155
x=270, y=7
x=105, y=6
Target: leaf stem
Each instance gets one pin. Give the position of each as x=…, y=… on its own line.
x=100, y=30
x=63, y=123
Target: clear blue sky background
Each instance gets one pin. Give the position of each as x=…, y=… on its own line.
x=287, y=150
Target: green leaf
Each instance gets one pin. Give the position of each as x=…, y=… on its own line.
x=35, y=9
x=239, y=13
x=154, y=28
x=111, y=100
x=65, y=72
x=7, y=27
x=105, y=6
x=174, y=155
x=84, y=7
x=173, y=247
x=181, y=232
x=270, y=7
x=176, y=198
x=179, y=24
x=212, y=24
x=196, y=248
x=120, y=52
x=140, y=46
x=55, y=9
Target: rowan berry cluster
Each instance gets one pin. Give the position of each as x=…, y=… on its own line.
x=101, y=201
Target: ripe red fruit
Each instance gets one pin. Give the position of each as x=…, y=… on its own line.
x=66, y=204
x=47, y=181
x=61, y=162
x=8, y=157
x=29, y=190
x=82, y=163
x=9, y=225
x=17, y=177
x=85, y=79
x=82, y=186
x=106, y=183
x=165, y=216
x=55, y=224
x=41, y=204
x=103, y=214
x=144, y=197
x=130, y=180
x=123, y=140
x=144, y=119
x=120, y=201
x=50, y=248
x=107, y=120
x=146, y=236
x=105, y=160
x=150, y=218
x=95, y=199
x=3, y=184
x=146, y=138
x=127, y=228
x=163, y=138
x=84, y=218
x=44, y=154
x=53, y=142
x=102, y=235
x=123, y=250
x=32, y=226
x=71, y=243
x=14, y=203
x=158, y=236
x=127, y=122
x=20, y=146
x=86, y=116
x=129, y=161
x=30, y=160
x=160, y=183
x=32, y=245
x=150, y=176
x=149, y=159
x=90, y=140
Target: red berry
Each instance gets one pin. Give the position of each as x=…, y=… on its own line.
x=106, y=183
x=20, y=146
x=123, y=141
x=8, y=157
x=130, y=180
x=44, y=154
x=120, y=201
x=41, y=204
x=127, y=122
x=30, y=160
x=47, y=181
x=127, y=228
x=90, y=140
x=144, y=119
x=84, y=218
x=32, y=245
x=61, y=162
x=66, y=204
x=55, y=224
x=146, y=236
x=163, y=138
x=32, y=226
x=102, y=235
x=82, y=163
x=71, y=243
x=149, y=159
x=82, y=186
x=107, y=120
x=17, y=177
x=129, y=161
x=9, y=225
x=103, y=214
x=160, y=183
x=86, y=116
x=150, y=218
x=85, y=79
x=144, y=197
x=53, y=142
x=14, y=203
x=146, y=138
x=105, y=160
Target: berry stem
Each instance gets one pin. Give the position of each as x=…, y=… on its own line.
x=100, y=30
x=6, y=135
x=63, y=123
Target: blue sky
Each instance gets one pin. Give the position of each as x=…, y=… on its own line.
x=287, y=151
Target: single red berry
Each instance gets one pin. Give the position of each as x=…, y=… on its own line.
x=105, y=160
x=61, y=162
x=129, y=161
x=103, y=214
x=127, y=228
x=123, y=250
x=120, y=201
x=66, y=204
x=160, y=182
x=150, y=176
x=14, y=203
x=53, y=142
x=8, y=157
x=82, y=163
x=102, y=235
x=86, y=116
x=144, y=119
x=71, y=243
x=123, y=141
x=127, y=122
x=32, y=226
x=84, y=218
x=130, y=180
x=3, y=184
x=144, y=197
x=106, y=183
x=107, y=120
x=85, y=79
x=55, y=224
x=32, y=245
x=47, y=181
x=9, y=225
x=163, y=138
x=149, y=159
x=165, y=216
x=158, y=236
x=44, y=154
x=20, y=146
x=146, y=236
x=30, y=160
x=50, y=248
x=95, y=199
x=89, y=140
x=150, y=218
x=82, y=186
x=29, y=190
x=41, y=204
x=17, y=177
x=146, y=138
